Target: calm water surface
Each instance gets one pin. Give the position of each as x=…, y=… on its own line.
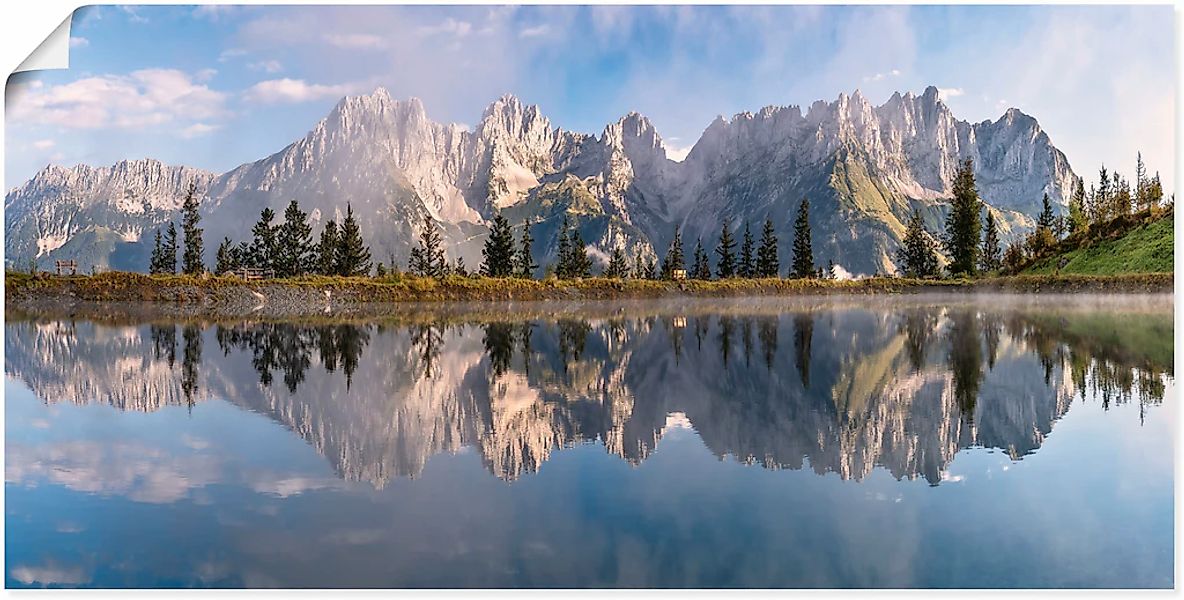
x=830, y=443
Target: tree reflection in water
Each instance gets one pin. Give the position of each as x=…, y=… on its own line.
x=378, y=399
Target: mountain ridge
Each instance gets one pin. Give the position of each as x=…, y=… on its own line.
x=864, y=167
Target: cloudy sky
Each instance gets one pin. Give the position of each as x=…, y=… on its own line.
x=214, y=87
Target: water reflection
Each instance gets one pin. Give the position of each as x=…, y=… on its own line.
x=901, y=389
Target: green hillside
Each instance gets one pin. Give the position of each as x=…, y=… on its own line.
x=1144, y=249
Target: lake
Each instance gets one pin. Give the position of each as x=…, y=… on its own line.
x=839, y=442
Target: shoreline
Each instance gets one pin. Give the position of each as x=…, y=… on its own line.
x=228, y=297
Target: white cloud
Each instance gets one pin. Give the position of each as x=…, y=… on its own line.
x=357, y=41
x=205, y=75
x=50, y=574
x=143, y=98
x=883, y=76
x=536, y=31
x=213, y=12
x=132, y=14
x=230, y=53
x=197, y=130
x=947, y=93
x=43, y=144
x=675, y=152
x=448, y=26
x=269, y=66
x=279, y=91
x=79, y=42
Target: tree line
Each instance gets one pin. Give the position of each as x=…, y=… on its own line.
x=971, y=240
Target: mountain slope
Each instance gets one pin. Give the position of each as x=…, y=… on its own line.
x=1146, y=248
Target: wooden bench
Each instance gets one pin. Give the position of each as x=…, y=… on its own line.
x=253, y=274
x=62, y=265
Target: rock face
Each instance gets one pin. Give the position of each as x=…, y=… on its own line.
x=94, y=215
x=864, y=168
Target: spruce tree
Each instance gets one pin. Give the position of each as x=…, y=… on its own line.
x=701, y=268
x=767, y=262
x=725, y=267
x=617, y=267
x=294, y=249
x=991, y=255
x=563, y=252
x=353, y=256
x=525, y=266
x=803, y=254
x=498, y=253
x=747, y=265
x=1077, y=219
x=191, y=261
x=580, y=264
x=917, y=254
x=1141, y=183
x=156, y=260
x=1046, y=220
x=224, y=261
x=964, y=223
x=168, y=263
x=427, y=259
x=674, y=256
x=327, y=249
x=263, y=241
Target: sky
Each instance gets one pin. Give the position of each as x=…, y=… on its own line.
x=217, y=86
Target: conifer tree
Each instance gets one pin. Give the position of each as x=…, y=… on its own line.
x=767, y=261
x=674, y=256
x=725, y=267
x=498, y=253
x=1046, y=219
x=460, y=268
x=524, y=265
x=917, y=254
x=1141, y=183
x=1014, y=258
x=830, y=269
x=701, y=268
x=263, y=241
x=617, y=267
x=224, y=261
x=327, y=249
x=294, y=249
x=747, y=266
x=1077, y=218
x=990, y=259
x=580, y=264
x=427, y=259
x=803, y=254
x=353, y=256
x=156, y=260
x=563, y=252
x=646, y=268
x=964, y=223
x=168, y=263
x=192, y=259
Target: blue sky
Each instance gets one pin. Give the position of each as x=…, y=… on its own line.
x=214, y=87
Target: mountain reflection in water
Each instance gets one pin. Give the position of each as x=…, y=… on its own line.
x=837, y=390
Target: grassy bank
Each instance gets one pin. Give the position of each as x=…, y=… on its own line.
x=23, y=288
x=1145, y=248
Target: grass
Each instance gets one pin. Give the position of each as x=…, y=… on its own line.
x=1146, y=248
x=22, y=288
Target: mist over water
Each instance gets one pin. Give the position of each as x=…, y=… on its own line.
x=987, y=441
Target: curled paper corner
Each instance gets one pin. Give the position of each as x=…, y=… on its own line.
x=53, y=53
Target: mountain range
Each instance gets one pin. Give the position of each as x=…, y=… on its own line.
x=865, y=168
